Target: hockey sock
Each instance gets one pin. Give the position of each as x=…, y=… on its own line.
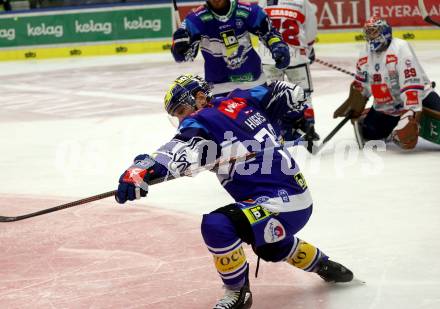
x=227, y=250
x=304, y=255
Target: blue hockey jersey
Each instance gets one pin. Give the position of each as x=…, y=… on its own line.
x=232, y=127
x=225, y=41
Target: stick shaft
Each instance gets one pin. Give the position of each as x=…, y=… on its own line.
x=332, y=133
x=333, y=66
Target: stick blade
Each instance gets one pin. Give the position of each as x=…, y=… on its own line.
x=428, y=19
x=7, y=219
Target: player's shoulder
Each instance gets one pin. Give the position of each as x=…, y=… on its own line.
x=191, y=122
x=245, y=9
x=400, y=48
x=200, y=13
x=399, y=44
x=363, y=57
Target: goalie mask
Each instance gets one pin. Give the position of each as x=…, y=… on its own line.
x=184, y=90
x=378, y=34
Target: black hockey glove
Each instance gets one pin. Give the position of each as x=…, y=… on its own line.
x=281, y=54
x=181, y=44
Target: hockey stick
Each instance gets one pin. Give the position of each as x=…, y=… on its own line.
x=425, y=15
x=331, y=134
x=176, y=13
x=213, y=166
x=337, y=68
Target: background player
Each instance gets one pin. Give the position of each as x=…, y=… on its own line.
x=221, y=29
x=273, y=201
x=388, y=70
x=297, y=23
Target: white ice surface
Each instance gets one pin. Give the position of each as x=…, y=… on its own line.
x=69, y=128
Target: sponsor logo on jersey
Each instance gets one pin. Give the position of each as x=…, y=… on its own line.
x=247, y=77
x=377, y=67
x=274, y=231
x=284, y=195
x=362, y=61
x=381, y=93
x=408, y=63
x=262, y=199
x=231, y=108
x=229, y=38
x=285, y=13
x=256, y=213
x=391, y=58
x=412, y=98
x=300, y=180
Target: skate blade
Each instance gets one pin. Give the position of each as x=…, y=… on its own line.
x=356, y=280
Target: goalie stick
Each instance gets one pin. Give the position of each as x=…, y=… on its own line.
x=425, y=15
x=338, y=68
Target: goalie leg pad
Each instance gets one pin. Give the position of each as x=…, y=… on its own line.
x=406, y=132
x=432, y=101
x=430, y=125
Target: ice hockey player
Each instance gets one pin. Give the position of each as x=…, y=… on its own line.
x=221, y=28
x=273, y=201
x=297, y=23
x=388, y=70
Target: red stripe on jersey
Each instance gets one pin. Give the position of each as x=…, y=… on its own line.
x=413, y=87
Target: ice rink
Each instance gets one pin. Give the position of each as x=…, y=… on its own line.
x=70, y=127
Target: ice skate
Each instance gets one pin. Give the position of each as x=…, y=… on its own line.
x=236, y=299
x=334, y=272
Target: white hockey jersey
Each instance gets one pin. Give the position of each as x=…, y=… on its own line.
x=394, y=78
x=296, y=21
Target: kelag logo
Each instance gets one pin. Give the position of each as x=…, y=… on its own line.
x=43, y=30
x=92, y=26
x=8, y=34
x=141, y=23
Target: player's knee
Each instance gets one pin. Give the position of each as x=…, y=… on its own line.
x=275, y=252
x=216, y=226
